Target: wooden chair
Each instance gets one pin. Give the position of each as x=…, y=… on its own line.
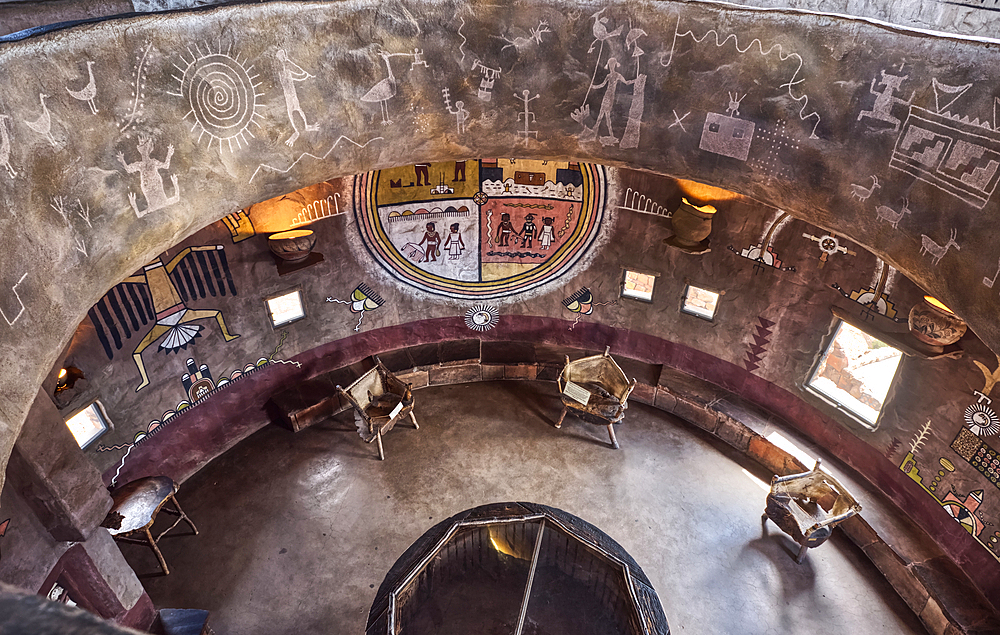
x=596, y=389
x=135, y=507
x=380, y=400
x=808, y=506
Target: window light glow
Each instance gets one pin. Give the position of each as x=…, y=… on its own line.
x=286, y=308
x=700, y=302
x=856, y=372
x=638, y=285
x=88, y=424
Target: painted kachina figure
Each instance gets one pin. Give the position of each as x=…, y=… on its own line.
x=504, y=231
x=547, y=235
x=528, y=230
x=433, y=243
x=454, y=244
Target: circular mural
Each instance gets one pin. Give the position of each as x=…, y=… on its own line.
x=481, y=229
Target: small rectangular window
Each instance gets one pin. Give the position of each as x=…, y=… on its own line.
x=855, y=373
x=285, y=307
x=700, y=302
x=88, y=424
x=638, y=286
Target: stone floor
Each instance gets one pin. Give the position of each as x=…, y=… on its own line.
x=298, y=530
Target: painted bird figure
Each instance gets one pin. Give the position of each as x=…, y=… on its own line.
x=43, y=125
x=383, y=91
x=88, y=92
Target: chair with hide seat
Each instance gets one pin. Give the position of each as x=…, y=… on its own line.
x=596, y=389
x=380, y=400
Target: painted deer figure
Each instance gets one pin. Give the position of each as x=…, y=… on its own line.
x=937, y=251
x=862, y=193
x=891, y=215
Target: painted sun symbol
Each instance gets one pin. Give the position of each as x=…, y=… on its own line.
x=482, y=317
x=221, y=95
x=982, y=420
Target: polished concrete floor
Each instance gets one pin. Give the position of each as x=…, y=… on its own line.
x=298, y=530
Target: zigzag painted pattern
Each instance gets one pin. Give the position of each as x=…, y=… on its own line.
x=759, y=345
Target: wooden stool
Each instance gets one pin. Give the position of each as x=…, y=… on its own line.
x=136, y=505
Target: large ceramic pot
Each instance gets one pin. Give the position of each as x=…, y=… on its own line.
x=691, y=223
x=933, y=323
x=292, y=245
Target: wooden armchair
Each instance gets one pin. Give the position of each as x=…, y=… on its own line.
x=380, y=400
x=596, y=389
x=808, y=506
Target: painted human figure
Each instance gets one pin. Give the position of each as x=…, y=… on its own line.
x=173, y=317
x=459, y=169
x=433, y=240
x=288, y=74
x=454, y=244
x=149, y=178
x=461, y=116
x=608, y=102
x=528, y=230
x=504, y=230
x=547, y=235
x=422, y=171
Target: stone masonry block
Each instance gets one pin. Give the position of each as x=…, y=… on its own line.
x=772, y=457
x=519, y=371
x=698, y=415
x=901, y=577
x=492, y=372
x=455, y=374
x=665, y=400
x=417, y=378
x=733, y=432
x=644, y=393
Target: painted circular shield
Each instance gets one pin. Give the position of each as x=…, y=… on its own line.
x=481, y=229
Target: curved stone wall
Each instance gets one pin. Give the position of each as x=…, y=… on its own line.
x=118, y=139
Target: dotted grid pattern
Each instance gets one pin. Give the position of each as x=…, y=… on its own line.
x=778, y=142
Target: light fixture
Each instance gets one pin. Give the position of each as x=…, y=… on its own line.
x=293, y=250
x=934, y=324
x=692, y=225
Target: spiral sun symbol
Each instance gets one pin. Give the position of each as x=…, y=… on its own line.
x=982, y=420
x=221, y=95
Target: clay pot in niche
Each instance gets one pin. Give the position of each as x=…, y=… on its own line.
x=691, y=223
x=292, y=245
x=933, y=323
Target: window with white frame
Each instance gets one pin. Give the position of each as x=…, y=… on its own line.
x=88, y=424
x=285, y=307
x=855, y=373
x=638, y=285
x=700, y=302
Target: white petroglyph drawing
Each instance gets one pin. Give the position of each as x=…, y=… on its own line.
x=777, y=157
x=418, y=59
x=679, y=121
x=10, y=321
x=940, y=88
x=5, y=145
x=384, y=90
x=861, y=192
x=43, y=125
x=490, y=76
x=88, y=92
x=523, y=42
x=288, y=73
x=527, y=132
x=794, y=80
x=83, y=211
x=461, y=114
x=989, y=282
x=727, y=134
x=138, y=94
x=221, y=95
x=891, y=216
x=886, y=99
x=318, y=210
x=150, y=181
x=461, y=47
x=636, y=202
x=61, y=207
x=937, y=251
x=263, y=166
x=630, y=137
x=81, y=245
